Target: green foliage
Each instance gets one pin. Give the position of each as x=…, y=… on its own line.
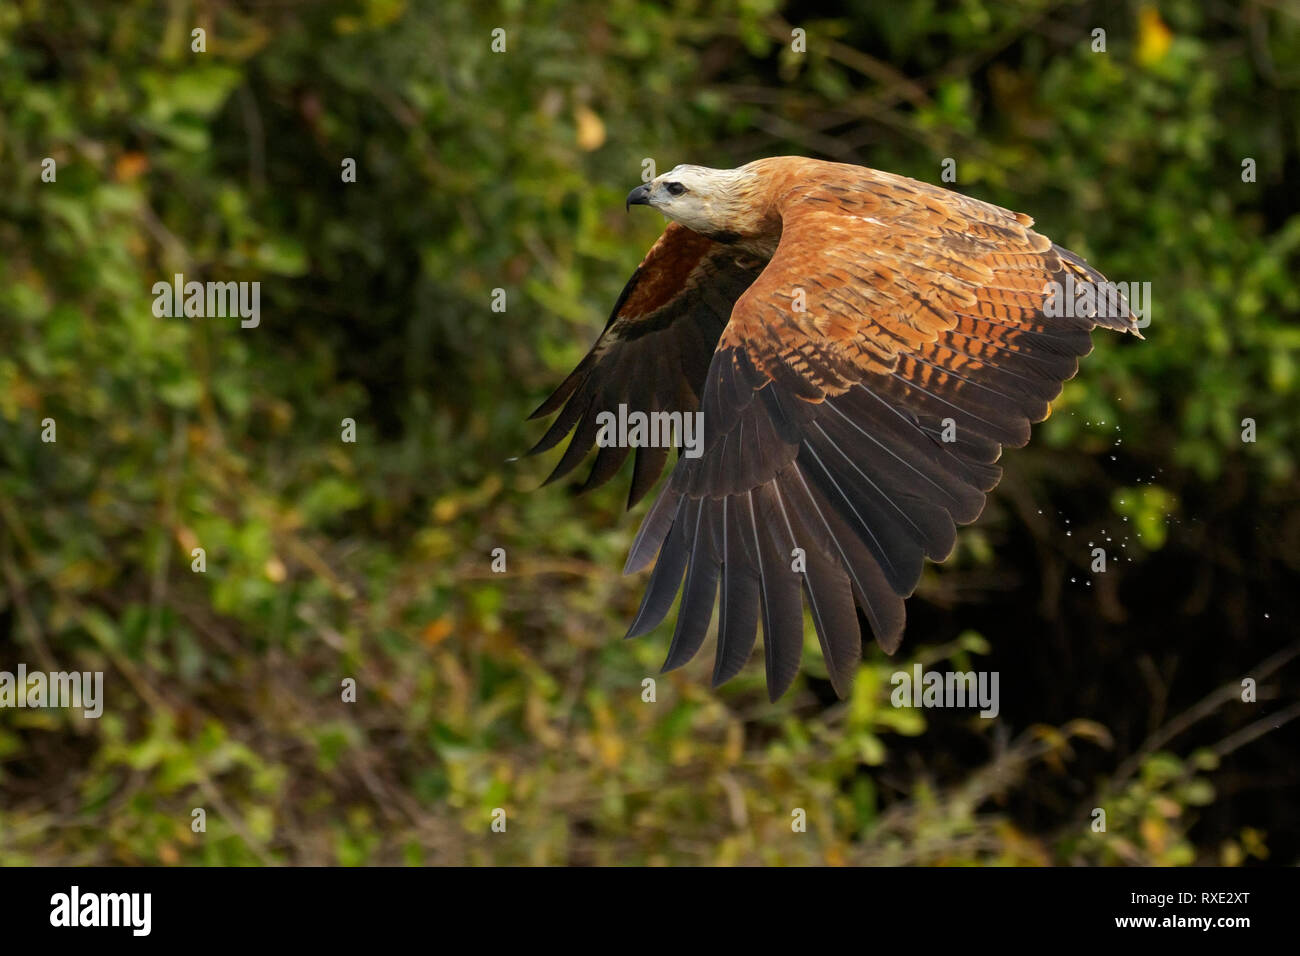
x=477, y=171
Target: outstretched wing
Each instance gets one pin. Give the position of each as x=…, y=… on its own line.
x=854, y=410
x=654, y=353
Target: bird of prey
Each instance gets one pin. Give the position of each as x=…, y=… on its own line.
x=861, y=346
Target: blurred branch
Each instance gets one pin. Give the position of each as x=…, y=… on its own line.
x=1204, y=708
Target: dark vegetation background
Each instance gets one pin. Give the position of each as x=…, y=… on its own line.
x=479, y=171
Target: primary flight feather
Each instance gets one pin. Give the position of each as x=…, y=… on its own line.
x=861, y=345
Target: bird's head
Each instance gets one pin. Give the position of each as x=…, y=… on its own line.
x=718, y=203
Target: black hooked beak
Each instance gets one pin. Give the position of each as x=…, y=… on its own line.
x=639, y=196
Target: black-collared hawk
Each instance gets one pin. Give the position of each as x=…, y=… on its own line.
x=862, y=346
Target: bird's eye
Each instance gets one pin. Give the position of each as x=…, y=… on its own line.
x=674, y=189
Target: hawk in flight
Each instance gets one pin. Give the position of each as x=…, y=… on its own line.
x=861, y=346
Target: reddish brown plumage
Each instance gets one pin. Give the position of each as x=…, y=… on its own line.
x=668, y=268
x=824, y=426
